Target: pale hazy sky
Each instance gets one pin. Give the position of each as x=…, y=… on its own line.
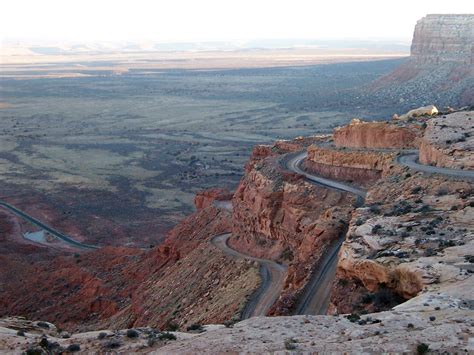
x=199, y=20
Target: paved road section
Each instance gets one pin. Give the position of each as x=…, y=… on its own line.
x=411, y=160
x=317, y=293
x=47, y=228
x=272, y=274
x=293, y=163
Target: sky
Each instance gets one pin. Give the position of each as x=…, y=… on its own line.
x=215, y=20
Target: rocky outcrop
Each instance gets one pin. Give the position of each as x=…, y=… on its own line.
x=448, y=141
x=410, y=238
x=409, y=330
x=205, y=198
x=429, y=110
x=361, y=167
x=444, y=38
x=278, y=215
x=360, y=134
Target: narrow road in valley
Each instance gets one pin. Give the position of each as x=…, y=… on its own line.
x=272, y=274
x=411, y=160
x=47, y=228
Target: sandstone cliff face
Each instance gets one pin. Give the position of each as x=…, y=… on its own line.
x=440, y=69
x=359, y=134
x=278, y=215
x=361, y=167
x=444, y=38
x=448, y=141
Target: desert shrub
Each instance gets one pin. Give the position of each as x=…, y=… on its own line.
x=73, y=348
x=353, y=317
x=422, y=349
x=194, y=327
x=43, y=325
x=376, y=228
x=416, y=189
x=229, y=323
x=374, y=209
x=102, y=335
x=113, y=344
x=132, y=333
x=34, y=351
x=20, y=333
x=287, y=254
x=44, y=343
x=171, y=326
x=167, y=336
x=359, y=222
x=446, y=243
x=469, y=258
x=290, y=344
x=429, y=252
x=442, y=191
x=404, y=234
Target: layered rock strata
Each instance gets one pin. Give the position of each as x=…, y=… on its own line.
x=444, y=38
x=361, y=167
x=360, y=134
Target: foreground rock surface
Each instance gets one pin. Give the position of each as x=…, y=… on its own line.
x=448, y=141
x=400, y=331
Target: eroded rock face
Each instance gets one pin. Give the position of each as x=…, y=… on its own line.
x=205, y=198
x=357, y=166
x=359, y=134
x=277, y=215
x=444, y=38
x=448, y=141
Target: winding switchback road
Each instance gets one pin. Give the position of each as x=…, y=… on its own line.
x=293, y=163
x=47, y=228
x=316, y=295
x=272, y=274
x=411, y=160
x=315, y=298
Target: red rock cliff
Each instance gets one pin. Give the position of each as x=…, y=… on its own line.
x=359, y=134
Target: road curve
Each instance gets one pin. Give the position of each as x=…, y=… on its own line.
x=411, y=160
x=316, y=295
x=293, y=163
x=47, y=228
x=272, y=274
